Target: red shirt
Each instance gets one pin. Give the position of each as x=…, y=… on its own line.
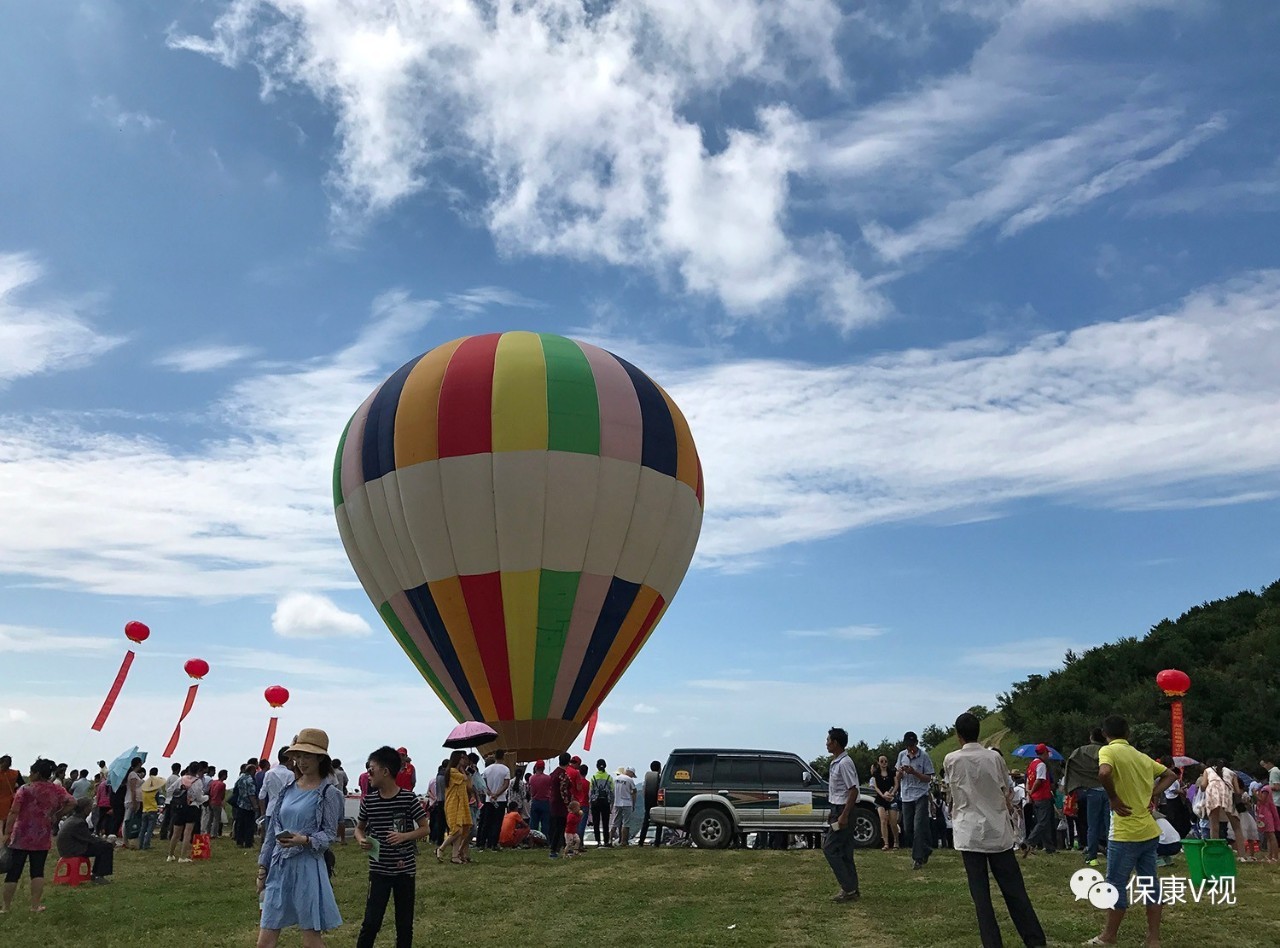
x=561, y=791
x=1044, y=789
x=571, y=824
x=540, y=787
x=217, y=792
x=581, y=789
x=407, y=778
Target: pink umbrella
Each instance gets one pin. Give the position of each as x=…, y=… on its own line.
x=470, y=734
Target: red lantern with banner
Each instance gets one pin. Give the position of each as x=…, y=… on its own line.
x=1175, y=684
x=276, y=696
x=135, y=632
x=195, y=668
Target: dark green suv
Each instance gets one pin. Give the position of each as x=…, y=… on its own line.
x=715, y=792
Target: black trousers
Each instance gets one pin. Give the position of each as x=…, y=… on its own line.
x=600, y=810
x=381, y=888
x=242, y=826
x=439, y=830
x=490, y=828
x=1004, y=866
x=557, y=831
x=644, y=827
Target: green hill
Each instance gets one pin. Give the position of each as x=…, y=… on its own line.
x=993, y=733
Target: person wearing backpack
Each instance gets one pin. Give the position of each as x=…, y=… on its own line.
x=185, y=803
x=601, y=801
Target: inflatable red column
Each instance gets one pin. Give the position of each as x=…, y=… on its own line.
x=196, y=668
x=1175, y=684
x=276, y=696
x=135, y=632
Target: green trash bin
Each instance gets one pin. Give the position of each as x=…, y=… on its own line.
x=1208, y=859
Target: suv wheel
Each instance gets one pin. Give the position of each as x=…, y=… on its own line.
x=866, y=827
x=710, y=828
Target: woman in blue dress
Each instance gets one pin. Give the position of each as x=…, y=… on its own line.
x=302, y=823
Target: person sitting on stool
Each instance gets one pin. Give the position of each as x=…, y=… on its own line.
x=76, y=839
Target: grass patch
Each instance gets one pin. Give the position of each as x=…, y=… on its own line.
x=666, y=897
x=993, y=733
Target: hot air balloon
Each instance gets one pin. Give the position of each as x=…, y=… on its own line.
x=521, y=509
x=195, y=668
x=137, y=633
x=276, y=696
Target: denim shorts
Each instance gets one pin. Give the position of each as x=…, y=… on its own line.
x=1126, y=859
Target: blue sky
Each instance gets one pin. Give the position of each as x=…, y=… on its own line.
x=973, y=307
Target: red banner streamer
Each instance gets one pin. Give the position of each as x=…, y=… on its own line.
x=1178, y=736
x=591, y=728
x=269, y=742
x=177, y=730
x=114, y=693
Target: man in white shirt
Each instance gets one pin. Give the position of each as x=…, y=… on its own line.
x=981, y=806
x=842, y=794
x=276, y=780
x=497, y=778
x=624, y=802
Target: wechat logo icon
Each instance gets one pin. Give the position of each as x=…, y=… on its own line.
x=1091, y=885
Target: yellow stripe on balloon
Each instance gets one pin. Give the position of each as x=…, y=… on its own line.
x=627, y=633
x=447, y=595
x=417, y=416
x=520, y=616
x=686, y=453
x=519, y=394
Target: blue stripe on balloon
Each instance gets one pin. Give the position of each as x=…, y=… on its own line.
x=659, y=449
x=378, y=450
x=424, y=607
x=617, y=603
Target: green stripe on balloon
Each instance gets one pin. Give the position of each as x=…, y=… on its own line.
x=556, y=594
x=406, y=642
x=573, y=408
x=337, y=465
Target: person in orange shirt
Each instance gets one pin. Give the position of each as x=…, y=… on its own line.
x=10, y=781
x=514, y=828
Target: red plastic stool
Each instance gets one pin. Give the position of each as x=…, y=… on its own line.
x=71, y=870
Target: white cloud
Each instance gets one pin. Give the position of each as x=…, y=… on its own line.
x=110, y=110
x=609, y=728
x=310, y=616
x=641, y=708
x=287, y=665
x=1027, y=655
x=480, y=298
x=204, y=358
x=13, y=716
x=25, y=639
x=45, y=336
x=848, y=633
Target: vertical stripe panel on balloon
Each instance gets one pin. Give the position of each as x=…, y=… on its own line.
x=379, y=494
x=366, y=576
x=701, y=490
x=616, y=491
x=648, y=523
x=587, y=603
x=379, y=449
x=421, y=492
x=686, y=451
x=466, y=486
x=659, y=443
x=609, y=678
x=617, y=603
x=418, y=417
x=680, y=536
x=556, y=594
x=572, y=483
x=629, y=630
x=621, y=423
x=483, y=594
x=520, y=622
x=519, y=406
x=422, y=608
x=573, y=408
x=365, y=534
x=401, y=635
x=352, y=464
x=452, y=606
x=466, y=417
x=337, y=466
x=412, y=571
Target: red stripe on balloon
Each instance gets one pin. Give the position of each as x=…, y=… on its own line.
x=177, y=730
x=483, y=595
x=114, y=693
x=466, y=398
x=269, y=742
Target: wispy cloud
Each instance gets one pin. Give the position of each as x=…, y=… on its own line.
x=310, y=616
x=26, y=639
x=288, y=664
x=204, y=358
x=642, y=708
x=1026, y=655
x=109, y=109
x=480, y=298
x=849, y=633
x=41, y=335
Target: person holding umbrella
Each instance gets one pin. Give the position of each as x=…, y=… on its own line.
x=457, y=809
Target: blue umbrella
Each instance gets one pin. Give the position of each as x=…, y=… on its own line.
x=120, y=766
x=1029, y=750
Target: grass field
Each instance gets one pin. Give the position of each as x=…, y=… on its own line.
x=632, y=897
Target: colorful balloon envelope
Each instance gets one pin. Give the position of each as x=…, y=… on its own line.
x=521, y=508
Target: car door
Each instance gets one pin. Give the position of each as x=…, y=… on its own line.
x=737, y=779
x=793, y=798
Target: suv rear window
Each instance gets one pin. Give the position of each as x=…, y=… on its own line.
x=689, y=768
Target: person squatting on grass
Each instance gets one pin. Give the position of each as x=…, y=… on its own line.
x=302, y=824
x=391, y=822
x=981, y=808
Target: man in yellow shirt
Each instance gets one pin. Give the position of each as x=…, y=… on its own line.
x=1134, y=783
x=150, y=807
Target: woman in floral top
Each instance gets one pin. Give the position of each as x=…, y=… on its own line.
x=28, y=831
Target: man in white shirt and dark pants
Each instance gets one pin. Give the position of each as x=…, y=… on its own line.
x=980, y=809
x=842, y=793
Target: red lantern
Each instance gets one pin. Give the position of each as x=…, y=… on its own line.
x=1173, y=683
x=136, y=632
x=276, y=696
x=196, y=668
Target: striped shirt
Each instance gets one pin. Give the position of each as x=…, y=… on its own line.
x=382, y=816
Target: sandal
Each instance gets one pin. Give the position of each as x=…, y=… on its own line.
x=456, y=862
x=439, y=854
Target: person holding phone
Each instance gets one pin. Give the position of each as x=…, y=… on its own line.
x=302, y=824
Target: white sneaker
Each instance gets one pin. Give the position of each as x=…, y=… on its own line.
x=170, y=858
x=184, y=860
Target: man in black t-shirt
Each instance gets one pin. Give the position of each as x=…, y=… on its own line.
x=391, y=822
